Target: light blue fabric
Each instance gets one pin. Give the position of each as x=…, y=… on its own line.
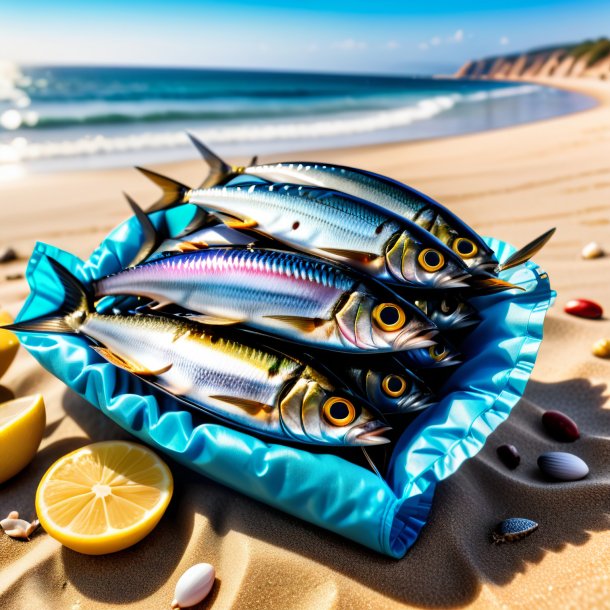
x=322, y=489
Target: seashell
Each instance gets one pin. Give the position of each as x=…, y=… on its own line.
x=601, y=348
x=562, y=466
x=513, y=529
x=13, y=515
x=32, y=527
x=560, y=426
x=592, y=250
x=584, y=309
x=194, y=585
x=16, y=528
x=509, y=456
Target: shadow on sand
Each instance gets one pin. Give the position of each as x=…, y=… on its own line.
x=453, y=556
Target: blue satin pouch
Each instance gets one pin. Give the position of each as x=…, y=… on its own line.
x=326, y=490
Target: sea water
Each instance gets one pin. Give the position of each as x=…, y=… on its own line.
x=54, y=118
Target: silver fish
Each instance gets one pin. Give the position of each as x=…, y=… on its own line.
x=336, y=226
x=383, y=191
x=257, y=389
x=448, y=312
x=393, y=390
x=291, y=295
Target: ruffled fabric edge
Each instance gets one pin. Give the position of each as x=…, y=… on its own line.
x=322, y=489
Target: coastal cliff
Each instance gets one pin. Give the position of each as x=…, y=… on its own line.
x=590, y=59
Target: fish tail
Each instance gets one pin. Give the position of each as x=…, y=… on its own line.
x=149, y=232
x=174, y=192
x=524, y=254
x=220, y=170
x=64, y=320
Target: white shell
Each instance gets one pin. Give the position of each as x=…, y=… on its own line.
x=194, y=585
x=12, y=524
x=592, y=250
x=13, y=515
x=563, y=466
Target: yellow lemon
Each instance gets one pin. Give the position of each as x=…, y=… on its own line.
x=22, y=423
x=9, y=344
x=104, y=497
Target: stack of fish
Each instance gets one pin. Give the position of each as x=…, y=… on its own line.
x=305, y=302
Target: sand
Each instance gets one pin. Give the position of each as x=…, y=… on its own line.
x=512, y=183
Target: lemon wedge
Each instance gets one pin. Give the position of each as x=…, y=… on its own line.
x=104, y=497
x=9, y=344
x=22, y=423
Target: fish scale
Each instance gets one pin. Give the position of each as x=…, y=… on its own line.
x=287, y=294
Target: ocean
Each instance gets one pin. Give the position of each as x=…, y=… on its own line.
x=55, y=118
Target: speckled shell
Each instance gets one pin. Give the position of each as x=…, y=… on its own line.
x=513, y=529
x=562, y=466
x=194, y=585
x=560, y=426
x=509, y=455
x=584, y=309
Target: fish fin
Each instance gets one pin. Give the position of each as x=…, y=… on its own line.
x=76, y=299
x=303, y=324
x=250, y=406
x=220, y=171
x=491, y=284
x=174, y=192
x=247, y=223
x=191, y=246
x=253, y=161
x=126, y=365
x=362, y=257
x=213, y=320
x=148, y=230
x=524, y=254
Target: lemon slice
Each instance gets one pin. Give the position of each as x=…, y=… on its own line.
x=104, y=497
x=22, y=423
x=9, y=344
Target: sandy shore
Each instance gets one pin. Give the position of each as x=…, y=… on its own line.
x=513, y=184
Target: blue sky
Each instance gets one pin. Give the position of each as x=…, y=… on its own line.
x=317, y=35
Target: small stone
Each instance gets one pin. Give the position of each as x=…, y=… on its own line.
x=601, y=348
x=584, y=309
x=562, y=466
x=560, y=426
x=194, y=585
x=7, y=254
x=513, y=529
x=592, y=250
x=509, y=456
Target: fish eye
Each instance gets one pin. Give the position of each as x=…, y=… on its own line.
x=448, y=306
x=389, y=317
x=431, y=260
x=339, y=411
x=465, y=247
x=394, y=385
x=438, y=352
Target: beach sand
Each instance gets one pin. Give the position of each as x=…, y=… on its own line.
x=512, y=183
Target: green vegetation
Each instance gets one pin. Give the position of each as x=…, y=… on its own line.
x=593, y=50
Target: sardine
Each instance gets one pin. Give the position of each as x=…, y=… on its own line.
x=287, y=294
x=394, y=390
x=383, y=191
x=253, y=388
x=448, y=312
x=336, y=226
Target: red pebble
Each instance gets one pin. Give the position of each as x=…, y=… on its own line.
x=584, y=309
x=560, y=426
